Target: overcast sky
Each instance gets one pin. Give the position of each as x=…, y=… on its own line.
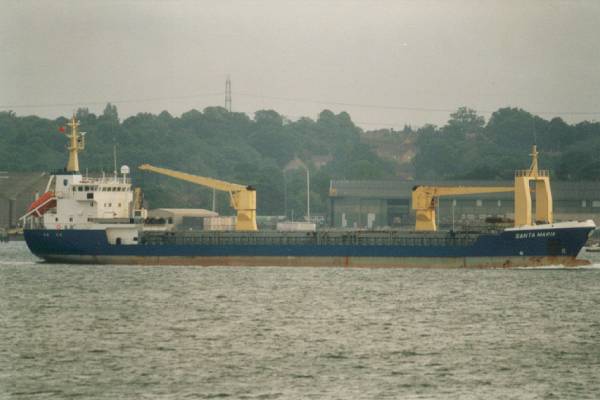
x=387, y=63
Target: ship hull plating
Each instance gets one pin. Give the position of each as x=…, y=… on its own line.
x=340, y=262
x=521, y=248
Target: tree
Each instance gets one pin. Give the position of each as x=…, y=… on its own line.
x=236, y=148
x=464, y=121
x=509, y=127
x=268, y=118
x=110, y=114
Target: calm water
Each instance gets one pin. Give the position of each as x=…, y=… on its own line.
x=121, y=332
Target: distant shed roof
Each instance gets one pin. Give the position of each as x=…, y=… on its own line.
x=182, y=212
x=14, y=184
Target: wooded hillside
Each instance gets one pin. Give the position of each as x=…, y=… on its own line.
x=268, y=151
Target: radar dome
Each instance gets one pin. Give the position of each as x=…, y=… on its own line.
x=124, y=169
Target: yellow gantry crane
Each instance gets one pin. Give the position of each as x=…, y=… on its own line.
x=424, y=198
x=243, y=198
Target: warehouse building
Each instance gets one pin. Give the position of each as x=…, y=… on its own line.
x=385, y=204
x=17, y=191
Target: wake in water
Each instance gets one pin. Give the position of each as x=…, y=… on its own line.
x=9, y=262
x=562, y=267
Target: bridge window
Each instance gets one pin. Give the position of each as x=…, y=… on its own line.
x=583, y=203
x=595, y=203
x=65, y=182
x=479, y=203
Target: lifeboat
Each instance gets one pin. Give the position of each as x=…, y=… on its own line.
x=44, y=203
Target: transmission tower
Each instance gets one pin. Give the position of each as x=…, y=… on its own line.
x=228, y=94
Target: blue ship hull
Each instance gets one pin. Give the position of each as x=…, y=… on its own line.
x=509, y=248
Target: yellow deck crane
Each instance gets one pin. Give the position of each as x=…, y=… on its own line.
x=424, y=200
x=243, y=198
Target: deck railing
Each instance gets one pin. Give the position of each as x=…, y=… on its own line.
x=323, y=238
x=526, y=172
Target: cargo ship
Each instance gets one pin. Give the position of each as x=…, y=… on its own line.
x=102, y=220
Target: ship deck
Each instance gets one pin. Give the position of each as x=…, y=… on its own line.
x=324, y=237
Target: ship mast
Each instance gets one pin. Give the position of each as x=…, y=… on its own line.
x=543, y=196
x=533, y=170
x=76, y=143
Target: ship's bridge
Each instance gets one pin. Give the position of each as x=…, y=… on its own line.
x=82, y=200
x=99, y=185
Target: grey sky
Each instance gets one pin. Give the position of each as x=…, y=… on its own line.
x=410, y=58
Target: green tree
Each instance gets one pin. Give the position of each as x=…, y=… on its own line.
x=110, y=114
x=464, y=121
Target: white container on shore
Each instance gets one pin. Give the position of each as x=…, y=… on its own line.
x=296, y=226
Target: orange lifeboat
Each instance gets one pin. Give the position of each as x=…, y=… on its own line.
x=44, y=203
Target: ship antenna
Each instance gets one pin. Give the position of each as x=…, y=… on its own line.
x=533, y=170
x=115, y=159
x=534, y=132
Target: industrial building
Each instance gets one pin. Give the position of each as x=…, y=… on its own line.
x=17, y=191
x=384, y=204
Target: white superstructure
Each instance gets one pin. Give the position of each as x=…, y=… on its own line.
x=83, y=202
x=74, y=201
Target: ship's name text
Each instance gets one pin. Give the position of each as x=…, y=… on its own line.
x=529, y=235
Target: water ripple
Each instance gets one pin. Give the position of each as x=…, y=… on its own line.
x=123, y=332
